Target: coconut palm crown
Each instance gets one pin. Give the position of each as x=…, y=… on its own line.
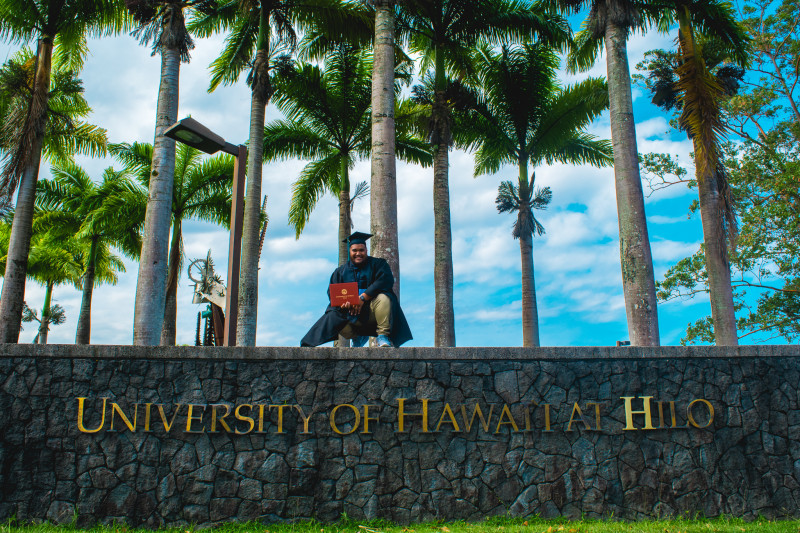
x=522, y=117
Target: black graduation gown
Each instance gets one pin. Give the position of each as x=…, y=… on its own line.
x=376, y=278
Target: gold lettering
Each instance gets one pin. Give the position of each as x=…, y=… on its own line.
x=506, y=412
x=629, y=412
x=527, y=407
x=672, y=412
x=367, y=418
x=280, y=415
x=147, y=407
x=221, y=419
x=449, y=412
x=596, y=413
x=81, y=427
x=131, y=425
x=576, y=409
x=261, y=418
x=401, y=414
x=307, y=419
x=190, y=418
x=240, y=416
x=355, y=423
x=476, y=411
x=661, y=415
x=547, y=417
x=168, y=427
x=691, y=417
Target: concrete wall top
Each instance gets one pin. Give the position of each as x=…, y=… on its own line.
x=571, y=353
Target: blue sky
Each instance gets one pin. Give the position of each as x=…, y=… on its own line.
x=578, y=281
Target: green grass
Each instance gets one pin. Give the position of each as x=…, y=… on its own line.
x=492, y=525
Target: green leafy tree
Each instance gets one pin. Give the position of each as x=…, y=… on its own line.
x=51, y=262
x=763, y=174
x=444, y=33
x=523, y=118
x=46, y=22
x=99, y=216
x=259, y=31
x=201, y=191
x=328, y=121
x=609, y=23
x=707, y=29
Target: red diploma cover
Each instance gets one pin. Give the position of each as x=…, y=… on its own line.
x=344, y=292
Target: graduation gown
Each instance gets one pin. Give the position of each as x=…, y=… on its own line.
x=375, y=277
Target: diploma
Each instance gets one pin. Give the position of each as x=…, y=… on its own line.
x=343, y=292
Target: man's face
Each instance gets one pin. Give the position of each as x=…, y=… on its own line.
x=358, y=254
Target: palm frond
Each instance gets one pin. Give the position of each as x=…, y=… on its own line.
x=316, y=177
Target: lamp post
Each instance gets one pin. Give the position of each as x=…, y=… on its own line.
x=192, y=133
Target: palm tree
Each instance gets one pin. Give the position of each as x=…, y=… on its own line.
x=610, y=22
x=383, y=175
x=444, y=33
x=51, y=262
x=201, y=190
x=162, y=22
x=522, y=117
x=699, y=96
x=47, y=22
x=259, y=30
x=99, y=216
x=328, y=120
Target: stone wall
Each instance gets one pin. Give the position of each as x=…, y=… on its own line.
x=269, y=433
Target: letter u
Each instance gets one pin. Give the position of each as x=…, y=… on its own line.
x=80, y=417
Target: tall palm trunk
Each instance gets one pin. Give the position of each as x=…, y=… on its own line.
x=344, y=214
x=83, y=332
x=530, y=312
x=383, y=183
x=444, y=319
x=248, y=274
x=702, y=91
x=171, y=304
x=638, y=280
x=151, y=285
x=13, y=293
x=44, y=325
x=344, y=230
x=717, y=265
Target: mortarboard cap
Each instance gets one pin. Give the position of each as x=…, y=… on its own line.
x=357, y=238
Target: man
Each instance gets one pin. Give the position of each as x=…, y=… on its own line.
x=378, y=315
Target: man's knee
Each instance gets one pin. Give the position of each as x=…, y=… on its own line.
x=381, y=305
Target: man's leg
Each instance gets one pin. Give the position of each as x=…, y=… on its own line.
x=380, y=313
x=349, y=332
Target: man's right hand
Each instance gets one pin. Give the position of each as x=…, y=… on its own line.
x=352, y=309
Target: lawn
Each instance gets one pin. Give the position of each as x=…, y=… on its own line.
x=721, y=525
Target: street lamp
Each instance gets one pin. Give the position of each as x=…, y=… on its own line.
x=192, y=133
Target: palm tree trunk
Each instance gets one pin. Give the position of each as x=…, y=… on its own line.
x=383, y=185
x=151, y=285
x=344, y=230
x=13, y=292
x=44, y=325
x=444, y=319
x=530, y=311
x=638, y=281
x=171, y=304
x=248, y=274
x=344, y=214
x=83, y=332
x=717, y=266
x=694, y=73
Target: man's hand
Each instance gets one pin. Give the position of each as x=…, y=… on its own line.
x=351, y=308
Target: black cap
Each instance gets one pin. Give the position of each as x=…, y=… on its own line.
x=357, y=238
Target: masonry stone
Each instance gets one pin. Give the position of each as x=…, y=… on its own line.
x=532, y=431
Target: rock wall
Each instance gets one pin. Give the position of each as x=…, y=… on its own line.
x=166, y=436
